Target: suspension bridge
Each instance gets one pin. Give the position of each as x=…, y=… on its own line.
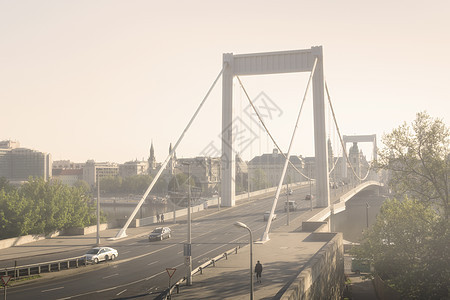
x=306, y=60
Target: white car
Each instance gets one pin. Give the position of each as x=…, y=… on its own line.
x=98, y=254
x=267, y=215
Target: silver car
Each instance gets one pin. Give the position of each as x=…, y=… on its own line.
x=98, y=254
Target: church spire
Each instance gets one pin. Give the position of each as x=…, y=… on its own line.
x=152, y=159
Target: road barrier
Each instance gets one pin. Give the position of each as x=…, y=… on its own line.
x=45, y=267
x=212, y=262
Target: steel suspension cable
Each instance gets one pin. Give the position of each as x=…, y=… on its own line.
x=267, y=130
x=340, y=138
x=122, y=232
x=265, y=235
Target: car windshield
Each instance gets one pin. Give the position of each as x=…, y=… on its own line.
x=93, y=251
x=157, y=230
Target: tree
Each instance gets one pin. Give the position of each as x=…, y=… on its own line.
x=418, y=160
x=4, y=184
x=42, y=207
x=406, y=251
x=258, y=180
x=409, y=243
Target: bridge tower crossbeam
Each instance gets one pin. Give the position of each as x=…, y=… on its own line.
x=274, y=63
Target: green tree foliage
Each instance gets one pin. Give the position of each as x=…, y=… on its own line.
x=410, y=241
x=409, y=249
x=43, y=207
x=179, y=183
x=258, y=180
x=418, y=160
x=136, y=185
x=4, y=185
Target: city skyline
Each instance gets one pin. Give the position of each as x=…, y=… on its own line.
x=101, y=80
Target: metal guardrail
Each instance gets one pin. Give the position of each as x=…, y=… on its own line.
x=176, y=286
x=45, y=267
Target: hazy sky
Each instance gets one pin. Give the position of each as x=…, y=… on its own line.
x=102, y=79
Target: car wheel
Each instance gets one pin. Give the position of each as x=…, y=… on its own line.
x=170, y=235
x=95, y=260
x=113, y=257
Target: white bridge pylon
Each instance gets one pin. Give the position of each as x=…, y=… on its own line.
x=358, y=139
x=274, y=63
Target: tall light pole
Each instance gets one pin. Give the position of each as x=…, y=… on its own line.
x=310, y=188
x=367, y=215
x=188, y=254
x=242, y=225
x=98, y=210
x=287, y=202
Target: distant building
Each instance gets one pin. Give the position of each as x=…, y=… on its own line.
x=272, y=166
x=67, y=164
x=152, y=160
x=68, y=176
x=18, y=164
x=205, y=170
x=94, y=170
x=133, y=168
x=359, y=163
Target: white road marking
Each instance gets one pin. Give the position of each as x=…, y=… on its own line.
x=126, y=252
x=153, y=262
x=58, y=288
x=180, y=252
x=121, y=292
x=111, y=275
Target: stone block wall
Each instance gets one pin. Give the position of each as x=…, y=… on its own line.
x=323, y=276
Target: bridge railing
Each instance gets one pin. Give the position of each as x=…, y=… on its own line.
x=211, y=262
x=45, y=267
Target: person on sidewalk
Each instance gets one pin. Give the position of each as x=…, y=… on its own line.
x=258, y=271
x=162, y=218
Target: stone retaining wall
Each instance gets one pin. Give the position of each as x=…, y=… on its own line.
x=323, y=276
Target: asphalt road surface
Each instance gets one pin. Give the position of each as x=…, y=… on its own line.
x=140, y=270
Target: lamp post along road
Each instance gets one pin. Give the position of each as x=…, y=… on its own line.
x=98, y=210
x=242, y=225
x=189, y=254
x=287, y=203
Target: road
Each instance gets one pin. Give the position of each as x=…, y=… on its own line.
x=140, y=269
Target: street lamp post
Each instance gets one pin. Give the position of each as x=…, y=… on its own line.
x=287, y=202
x=98, y=210
x=189, y=254
x=310, y=187
x=242, y=225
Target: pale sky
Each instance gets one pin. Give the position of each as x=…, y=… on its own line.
x=102, y=79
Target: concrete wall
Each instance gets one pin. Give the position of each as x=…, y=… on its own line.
x=85, y=230
x=17, y=241
x=323, y=276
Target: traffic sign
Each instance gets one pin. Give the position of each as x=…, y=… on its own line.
x=5, y=280
x=170, y=271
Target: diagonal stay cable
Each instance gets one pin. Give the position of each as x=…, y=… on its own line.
x=267, y=130
x=122, y=232
x=340, y=138
x=265, y=235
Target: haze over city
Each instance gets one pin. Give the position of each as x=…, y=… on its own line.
x=102, y=79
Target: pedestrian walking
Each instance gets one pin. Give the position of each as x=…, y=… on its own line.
x=162, y=218
x=157, y=217
x=258, y=271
